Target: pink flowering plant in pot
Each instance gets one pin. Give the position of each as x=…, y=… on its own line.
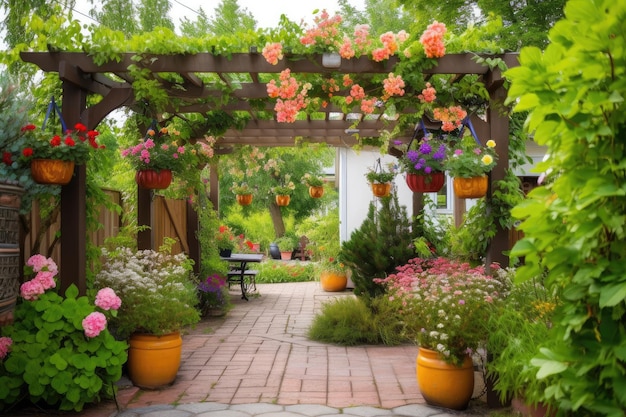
x=445, y=304
x=59, y=351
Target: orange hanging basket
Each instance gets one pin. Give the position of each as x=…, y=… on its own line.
x=51, y=171
x=443, y=384
x=475, y=187
x=153, y=361
x=333, y=281
x=381, y=189
x=316, y=192
x=153, y=180
x=244, y=199
x=283, y=200
x=428, y=183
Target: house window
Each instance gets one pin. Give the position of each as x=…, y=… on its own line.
x=445, y=198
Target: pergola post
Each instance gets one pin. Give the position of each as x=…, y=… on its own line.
x=498, y=124
x=73, y=268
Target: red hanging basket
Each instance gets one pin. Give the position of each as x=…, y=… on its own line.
x=428, y=183
x=154, y=180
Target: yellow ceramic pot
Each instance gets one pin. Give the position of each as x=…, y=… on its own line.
x=443, y=384
x=153, y=361
x=333, y=281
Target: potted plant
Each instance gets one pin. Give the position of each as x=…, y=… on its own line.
x=333, y=273
x=159, y=298
x=315, y=184
x=423, y=163
x=283, y=191
x=213, y=293
x=469, y=162
x=243, y=193
x=52, y=156
x=380, y=179
x=286, y=244
x=225, y=241
x=448, y=305
x=43, y=354
x=157, y=156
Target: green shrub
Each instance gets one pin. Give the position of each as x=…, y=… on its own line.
x=348, y=321
x=278, y=271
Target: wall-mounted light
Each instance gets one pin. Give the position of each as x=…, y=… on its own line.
x=352, y=131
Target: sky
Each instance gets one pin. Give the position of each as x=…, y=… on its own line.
x=266, y=12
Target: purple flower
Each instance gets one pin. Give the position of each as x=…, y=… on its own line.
x=412, y=156
x=428, y=170
x=425, y=148
x=461, y=302
x=397, y=142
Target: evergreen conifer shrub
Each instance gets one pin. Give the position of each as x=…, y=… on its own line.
x=383, y=242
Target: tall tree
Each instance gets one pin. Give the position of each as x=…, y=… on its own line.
x=117, y=15
x=154, y=13
x=525, y=22
x=230, y=18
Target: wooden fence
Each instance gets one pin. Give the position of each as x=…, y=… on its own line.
x=170, y=217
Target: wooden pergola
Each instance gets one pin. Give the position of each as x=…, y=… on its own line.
x=196, y=84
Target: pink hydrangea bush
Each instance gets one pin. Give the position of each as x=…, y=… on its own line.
x=43, y=354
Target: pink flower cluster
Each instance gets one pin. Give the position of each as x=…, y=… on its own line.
x=273, y=52
x=5, y=344
x=390, y=42
x=393, y=86
x=94, y=323
x=432, y=40
x=325, y=30
x=45, y=269
x=106, y=299
x=429, y=94
x=291, y=96
x=451, y=117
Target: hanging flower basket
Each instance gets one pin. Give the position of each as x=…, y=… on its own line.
x=428, y=183
x=244, y=199
x=381, y=189
x=51, y=171
x=475, y=187
x=316, y=192
x=283, y=200
x=154, y=180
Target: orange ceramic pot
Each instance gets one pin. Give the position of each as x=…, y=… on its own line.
x=381, y=189
x=283, y=200
x=153, y=361
x=333, y=281
x=443, y=384
x=244, y=199
x=475, y=187
x=316, y=192
x=428, y=183
x=153, y=180
x=51, y=171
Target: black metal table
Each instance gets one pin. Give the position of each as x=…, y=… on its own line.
x=240, y=272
